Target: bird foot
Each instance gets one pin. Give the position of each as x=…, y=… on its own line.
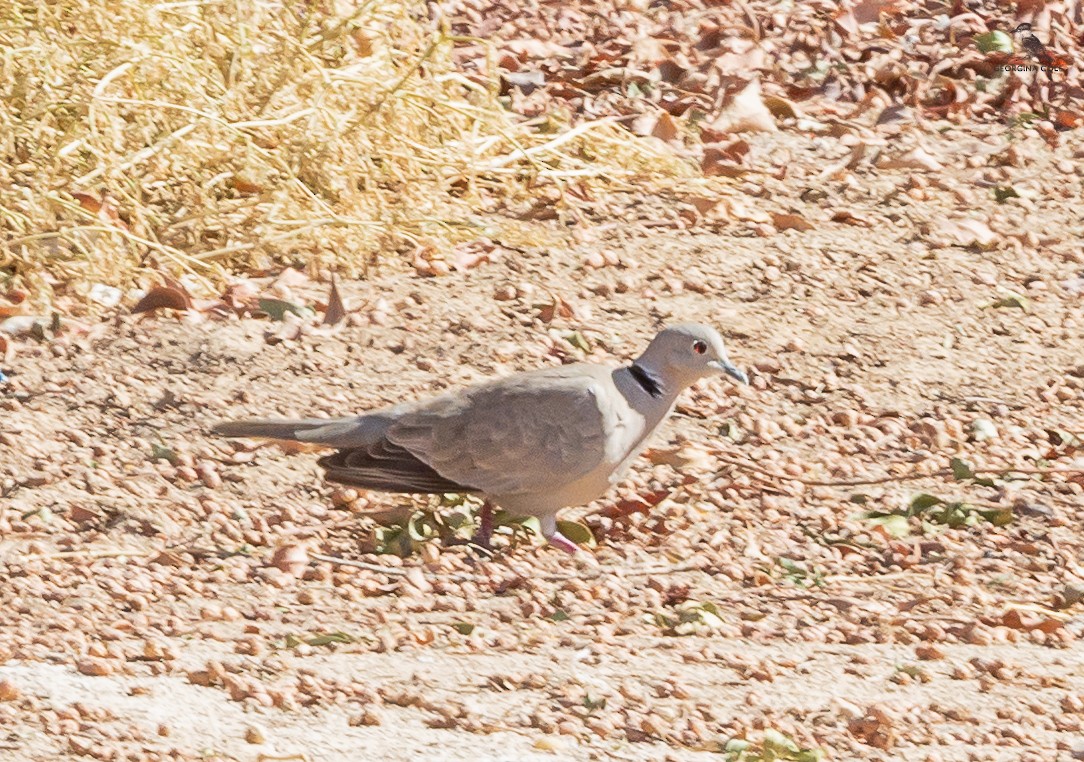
x=558, y=540
x=483, y=538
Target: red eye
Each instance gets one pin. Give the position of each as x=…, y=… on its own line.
x=700, y=347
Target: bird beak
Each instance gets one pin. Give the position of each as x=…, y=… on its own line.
x=728, y=368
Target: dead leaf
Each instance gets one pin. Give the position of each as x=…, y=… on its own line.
x=965, y=231
x=725, y=159
x=103, y=207
x=657, y=124
x=743, y=57
x=847, y=217
x=289, y=278
x=739, y=211
x=744, y=112
x=781, y=108
x=164, y=298
x=916, y=158
x=335, y=312
x=556, y=308
x=790, y=222
x=292, y=559
x=527, y=81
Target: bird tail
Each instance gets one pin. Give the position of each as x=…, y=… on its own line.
x=330, y=432
x=265, y=428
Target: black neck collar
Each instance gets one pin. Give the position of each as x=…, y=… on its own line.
x=646, y=381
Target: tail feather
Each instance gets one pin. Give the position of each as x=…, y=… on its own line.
x=331, y=432
x=262, y=428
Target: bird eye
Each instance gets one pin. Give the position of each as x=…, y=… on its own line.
x=700, y=347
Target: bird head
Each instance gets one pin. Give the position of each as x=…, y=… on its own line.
x=688, y=352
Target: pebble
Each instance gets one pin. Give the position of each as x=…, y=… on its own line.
x=94, y=667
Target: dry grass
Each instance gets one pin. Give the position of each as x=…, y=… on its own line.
x=229, y=136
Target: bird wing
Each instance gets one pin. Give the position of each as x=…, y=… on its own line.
x=529, y=433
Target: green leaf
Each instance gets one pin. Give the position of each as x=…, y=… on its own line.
x=591, y=704
x=276, y=309
x=463, y=628
x=1004, y=193
x=999, y=517
x=994, y=42
x=330, y=637
x=896, y=524
x=961, y=469
x=579, y=341
x=559, y=616
x=791, y=566
x=418, y=527
x=1013, y=299
x=731, y=430
x=158, y=452
x=576, y=532
x=923, y=502
x=776, y=741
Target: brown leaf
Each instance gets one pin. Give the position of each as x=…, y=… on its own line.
x=781, y=108
x=739, y=211
x=916, y=158
x=239, y=294
x=467, y=256
x=102, y=207
x=965, y=231
x=790, y=222
x=847, y=217
x=744, y=112
x=289, y=278
x=292, y=559
x=724, y=159
x=1067, y=120
x=743, y=57
x=164, y=297
x=658, y=124
x=336, y=312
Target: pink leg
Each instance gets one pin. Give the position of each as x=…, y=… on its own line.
x=485, y=526
x=558, y=540
x=555, y=538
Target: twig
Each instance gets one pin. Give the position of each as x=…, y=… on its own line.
x=84, y=554
x=393, y=570
x=914, y=475
x=596, y=573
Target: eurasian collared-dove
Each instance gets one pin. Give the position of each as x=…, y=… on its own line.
x=532, y=443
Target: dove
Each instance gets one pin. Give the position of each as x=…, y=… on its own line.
x=531, y=443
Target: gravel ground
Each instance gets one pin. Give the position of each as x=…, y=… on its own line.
x=162, y=595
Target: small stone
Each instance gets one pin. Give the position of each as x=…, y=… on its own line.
x=504, y=293
x=8, y=691
x=848, y=418
x=768, y=365
x=929, y=652
x=94, y=667
x=931, y=296
x=254, y=735
x=983, y=429
x=368, y=717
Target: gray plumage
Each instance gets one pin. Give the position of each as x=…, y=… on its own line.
x=532, y=443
